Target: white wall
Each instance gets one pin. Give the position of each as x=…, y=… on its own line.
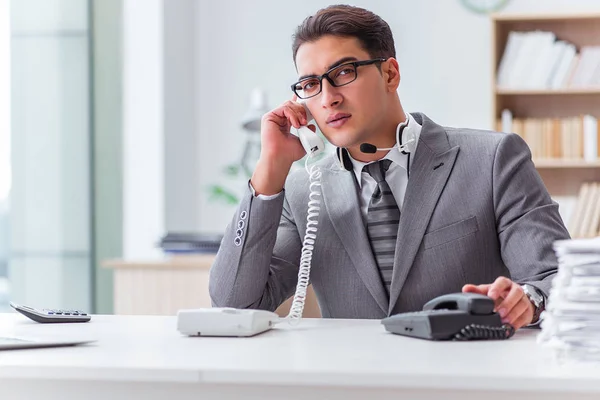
x=182, y=172
x=107, y=131
x=5, y=174
x=50, y=213
x=443, y=50
x=4, y=108
x=143, y=134
x=160, y=132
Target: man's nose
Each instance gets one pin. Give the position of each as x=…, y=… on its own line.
x=330, y=95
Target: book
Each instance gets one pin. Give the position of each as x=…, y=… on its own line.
x=576, y=216
x=587, y=211
x=590, y=138
x=594, y=223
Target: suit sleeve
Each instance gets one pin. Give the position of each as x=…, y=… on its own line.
x=527, y=219
x=257, y=263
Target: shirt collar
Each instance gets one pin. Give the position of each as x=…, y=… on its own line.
x=394, y=155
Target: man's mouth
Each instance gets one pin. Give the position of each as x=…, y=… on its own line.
x=338, y=117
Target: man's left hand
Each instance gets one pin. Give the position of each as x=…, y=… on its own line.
x=511, y=302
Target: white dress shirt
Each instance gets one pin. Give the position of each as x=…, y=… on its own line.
x=396, y=176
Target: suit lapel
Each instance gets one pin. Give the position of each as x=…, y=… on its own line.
x=422, y=193
x=341, y=201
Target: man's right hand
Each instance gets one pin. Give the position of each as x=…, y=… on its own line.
x=279, y=148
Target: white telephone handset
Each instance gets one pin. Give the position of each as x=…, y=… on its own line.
x=311, y=142
x=247, y=322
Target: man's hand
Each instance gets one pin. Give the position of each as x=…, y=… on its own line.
x=511, y=302
x=279, y=148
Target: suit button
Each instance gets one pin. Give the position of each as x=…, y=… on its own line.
x=241, y=224
x=237, y=241
x=239, y=233
x=243, y=215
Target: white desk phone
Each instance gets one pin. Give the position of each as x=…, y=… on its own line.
x=245, y=322
x=455, y=316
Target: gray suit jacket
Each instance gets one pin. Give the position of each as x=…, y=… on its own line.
x=484, y=213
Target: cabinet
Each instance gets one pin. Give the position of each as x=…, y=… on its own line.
x=163, y=285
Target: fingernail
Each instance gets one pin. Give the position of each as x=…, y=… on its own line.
x=502, y=312
x=505, y=320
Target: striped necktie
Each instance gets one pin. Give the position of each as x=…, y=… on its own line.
x=383, y=217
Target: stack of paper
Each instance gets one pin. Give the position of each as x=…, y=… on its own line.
x=571, y=322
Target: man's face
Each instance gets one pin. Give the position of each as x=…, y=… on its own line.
x=347, y=115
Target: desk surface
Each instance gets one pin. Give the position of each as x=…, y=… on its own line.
x=354, y=353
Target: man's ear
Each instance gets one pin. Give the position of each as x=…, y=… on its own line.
x=391, y=71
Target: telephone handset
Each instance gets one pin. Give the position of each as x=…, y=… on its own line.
x=456, y=316
x=311, y=142
x=313, y=145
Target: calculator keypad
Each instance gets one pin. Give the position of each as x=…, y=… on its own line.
x=64, y=312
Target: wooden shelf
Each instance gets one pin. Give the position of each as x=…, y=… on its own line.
x=558, y=163
x=547, y=92
x=563, y=177
x=544, y=17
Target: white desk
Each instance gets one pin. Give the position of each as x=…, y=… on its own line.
x=143, y=357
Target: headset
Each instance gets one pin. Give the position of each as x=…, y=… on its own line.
x=407, y=147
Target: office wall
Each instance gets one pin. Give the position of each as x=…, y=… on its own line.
x=160, y=131
x=182, y=171
x=50, y=242
x=443, y=50
x=107, y=132
x=4, y=149
x=143, y=134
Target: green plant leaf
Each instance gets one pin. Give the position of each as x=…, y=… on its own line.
x=232, y=170
x=219, y=193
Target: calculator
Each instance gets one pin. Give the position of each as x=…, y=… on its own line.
x=45, y=316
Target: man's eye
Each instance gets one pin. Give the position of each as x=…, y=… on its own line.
x=310, y=85
x=346, y=71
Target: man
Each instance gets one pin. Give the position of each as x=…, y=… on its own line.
x=458, y=209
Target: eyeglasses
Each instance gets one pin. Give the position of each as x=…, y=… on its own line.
x=338, y=76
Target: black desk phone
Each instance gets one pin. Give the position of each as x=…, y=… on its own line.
x=457, y=316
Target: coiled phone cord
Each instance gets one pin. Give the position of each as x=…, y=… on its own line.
x=312, y=220
x=481, y=332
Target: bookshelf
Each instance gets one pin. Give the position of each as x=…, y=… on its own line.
x=564, y=176
x=554, y=164
x=548, y=92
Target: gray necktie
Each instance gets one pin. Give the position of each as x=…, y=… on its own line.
x=383, y=217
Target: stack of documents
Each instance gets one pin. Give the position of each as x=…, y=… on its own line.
x=571, y=322
x=190, y=242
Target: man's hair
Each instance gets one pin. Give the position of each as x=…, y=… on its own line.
x=373, y=33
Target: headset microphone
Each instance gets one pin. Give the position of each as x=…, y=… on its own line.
x=402, y=147
x=368, y=148
x=405, y=148
x=371, y=148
